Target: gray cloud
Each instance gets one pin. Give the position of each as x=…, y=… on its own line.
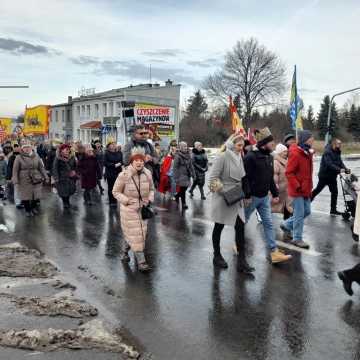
x=85, y=60
x=164, y=52
x=207, y=63
x=18, y=47
x=133, y=70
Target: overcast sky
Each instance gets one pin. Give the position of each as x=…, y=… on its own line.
x=59, y=46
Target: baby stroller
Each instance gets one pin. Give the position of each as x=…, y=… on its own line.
x=350, y=188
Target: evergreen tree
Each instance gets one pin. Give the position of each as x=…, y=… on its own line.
x=309, y=121
x=321, y=123
x=354, y=122
x=194, y=126
x=196, y=105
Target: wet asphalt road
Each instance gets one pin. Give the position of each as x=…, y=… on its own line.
x=185, y=309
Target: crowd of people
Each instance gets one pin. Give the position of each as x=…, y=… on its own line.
x=245, y=178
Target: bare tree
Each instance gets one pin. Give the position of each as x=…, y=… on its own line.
x=251, y=71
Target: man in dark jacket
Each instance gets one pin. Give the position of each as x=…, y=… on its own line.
x=330, y=167
x=113, y=162
x=259, y=167
x=99, y=154
x=139, y=139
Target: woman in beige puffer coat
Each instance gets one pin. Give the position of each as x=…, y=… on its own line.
x=125, y=190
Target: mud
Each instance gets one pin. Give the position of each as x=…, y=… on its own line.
x=53, y=306
x=23, y=262
x=91, y=335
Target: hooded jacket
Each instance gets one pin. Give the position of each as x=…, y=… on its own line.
x=299, y=172
x=331, y=163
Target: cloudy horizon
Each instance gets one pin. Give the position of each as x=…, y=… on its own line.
x=58, y=47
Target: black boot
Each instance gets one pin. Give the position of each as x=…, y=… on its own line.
x=346, y=282
x=335, y=212
x=219, y=261
x=202, y=193
x=244, y=267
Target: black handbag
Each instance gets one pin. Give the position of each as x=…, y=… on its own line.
x=233, y=195
x=146, y=211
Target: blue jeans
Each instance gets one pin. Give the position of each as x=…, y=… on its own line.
x=263, y=206
x=295, y=224
x=172, y=185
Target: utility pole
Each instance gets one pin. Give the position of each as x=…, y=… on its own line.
x=327, y=136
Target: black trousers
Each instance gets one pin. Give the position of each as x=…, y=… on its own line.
x=200, y=185
x=181, y=195
x=29, y=205
x=111, y=182
x=87, y=195
x=354, y=273
x=332, y=184
x=66, y=200
x=239, y=237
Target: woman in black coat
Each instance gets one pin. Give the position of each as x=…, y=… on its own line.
x=200, y=163
x=113, y=161
x=64, y=174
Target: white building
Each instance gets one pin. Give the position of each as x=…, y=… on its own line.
x=60, y=122
x=101, y=114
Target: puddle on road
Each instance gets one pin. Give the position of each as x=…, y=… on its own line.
x=92, y=335
x=53, y=306
x=24, y=262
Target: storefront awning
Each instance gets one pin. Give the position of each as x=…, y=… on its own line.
x=94, y=125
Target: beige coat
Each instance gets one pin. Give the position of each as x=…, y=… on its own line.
x=133, y=227
x=23, y=166
x=282, y=184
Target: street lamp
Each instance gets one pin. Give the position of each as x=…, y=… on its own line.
x=327, y=136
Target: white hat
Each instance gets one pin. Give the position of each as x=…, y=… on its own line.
x=280, y=148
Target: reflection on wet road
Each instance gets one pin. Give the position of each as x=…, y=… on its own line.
x=185, y=309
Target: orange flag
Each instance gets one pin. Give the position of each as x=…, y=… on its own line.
x=236, y=121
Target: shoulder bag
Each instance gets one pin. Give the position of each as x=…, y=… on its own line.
x=233, y=195
x=146, y=211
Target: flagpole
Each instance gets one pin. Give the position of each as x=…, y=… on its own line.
x=296, y=104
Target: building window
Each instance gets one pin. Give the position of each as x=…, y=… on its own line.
x=56, y=116
x=111, y=109
x=63, y=116
x=96, y=110
x=82, y=110
x=88, y=111
x=105, y=109
x=78, y=111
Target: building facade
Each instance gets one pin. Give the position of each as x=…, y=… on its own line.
x=61, y=121
x=101, y=115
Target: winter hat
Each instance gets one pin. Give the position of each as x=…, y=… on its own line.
x=62, y=147
x=280, y=148
x=303, y=136
x=137, y=153
x=263, y=136
x=196, y=144
x=26, y=144
x=288, y=137
x=173, y=143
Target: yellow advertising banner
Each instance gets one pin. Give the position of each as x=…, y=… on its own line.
x=6, y=124
x=36, y=120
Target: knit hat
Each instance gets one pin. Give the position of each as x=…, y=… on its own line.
x=288, y=137
x=62, y=147
x=26, y=144
x=263, y=136
x=183, y=146
x=173, y=143
x=137, y=153
x=303, y=136
x=110, y=141
x=280, y=148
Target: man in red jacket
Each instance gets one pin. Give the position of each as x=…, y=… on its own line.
x=299, y=173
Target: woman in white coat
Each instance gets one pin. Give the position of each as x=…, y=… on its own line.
x=227, y=172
